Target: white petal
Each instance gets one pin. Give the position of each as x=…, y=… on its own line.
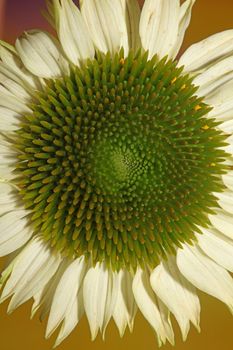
x=132, y=12
x=73, y=32
x=225, y=199
x=8, y=195
x=15, y=242
x=165, y=316
x=14, y=86
x=12, y=66
x=125, y=308
x=147, y=303
x=7, y=160
x=5, y=274
x=227, y=126
x=20, y=265
x=221, y=95
x=72, y=317
x=33, y=268
x=223, y=222
x=15, y=231
x=207, y=51
x=217, y=247
x=12, y=102
x=228, y=179
x=44, y=297
x=66, y=294
x=97, y=291
x=222, y=112
x=177, y=294
x=49, y=13
x=184, y=20
x=9, y=120
x=112, y=293
x=41, y=55
x=35, y=280
x=205, y=274
x=159, y=26
x=213, y=77
x=106, y=24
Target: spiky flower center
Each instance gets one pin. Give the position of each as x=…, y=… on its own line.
x=118, y=161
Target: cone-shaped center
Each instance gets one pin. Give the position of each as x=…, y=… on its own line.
x=118, y=161
x=118, y=170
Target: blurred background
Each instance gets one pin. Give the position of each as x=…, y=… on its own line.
x=16, y=330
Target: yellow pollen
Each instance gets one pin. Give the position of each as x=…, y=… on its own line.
x=174, y=80
x=122, y=61
x=183, y=87
x=212, y=164
x=205, y=127
x=197, y=107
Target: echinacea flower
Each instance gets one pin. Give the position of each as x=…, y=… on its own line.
x=116, y=188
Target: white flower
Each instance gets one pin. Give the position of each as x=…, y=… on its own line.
x=94, y=133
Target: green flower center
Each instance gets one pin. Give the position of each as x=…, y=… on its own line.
x=118, y=161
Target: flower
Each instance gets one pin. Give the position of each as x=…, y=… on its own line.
x=116, y=167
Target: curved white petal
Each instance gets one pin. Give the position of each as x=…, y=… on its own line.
x=177, y=294
x=222, y=112
x=14, y=86
x=184, y=20
x=222, y=94
x=113, y=288
x=207, y=51
x=41, y=55
x=217, y=247
x=44, y=297
x=227, y=126
x=66, y=296
x=9, y=120
x=7, y=160
x=10, y=101
x=72, y=317
x=73, y=32
x=125, y=307
x=132, y=12
x=214, y=76
x=159, y=26
x=49, y=13
x=205, y=274
x=223, y=222
x=12, y=66
x=165, y=316
x=222, y=102
x=225, y=199
x=32, y=269
x=19, y=266
x=98, y=293
x=14, y=229
x=8, y=198
x=228, y=179
x=106, y=24
x=147, y=303
x=15, y=242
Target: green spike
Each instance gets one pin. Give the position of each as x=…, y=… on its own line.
x=119, y=161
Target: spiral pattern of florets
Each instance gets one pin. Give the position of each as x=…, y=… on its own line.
x=118, y=161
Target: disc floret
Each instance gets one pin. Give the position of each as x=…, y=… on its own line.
x=119, y=161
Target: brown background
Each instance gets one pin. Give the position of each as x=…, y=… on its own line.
x=18, y=332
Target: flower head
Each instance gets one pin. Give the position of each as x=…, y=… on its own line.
x=116, y=167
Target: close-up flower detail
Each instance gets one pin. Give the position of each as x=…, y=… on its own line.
x=116, y=180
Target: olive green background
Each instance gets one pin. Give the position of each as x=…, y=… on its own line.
x=18, y=332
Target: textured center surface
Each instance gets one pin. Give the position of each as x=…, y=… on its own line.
x=118, y=161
